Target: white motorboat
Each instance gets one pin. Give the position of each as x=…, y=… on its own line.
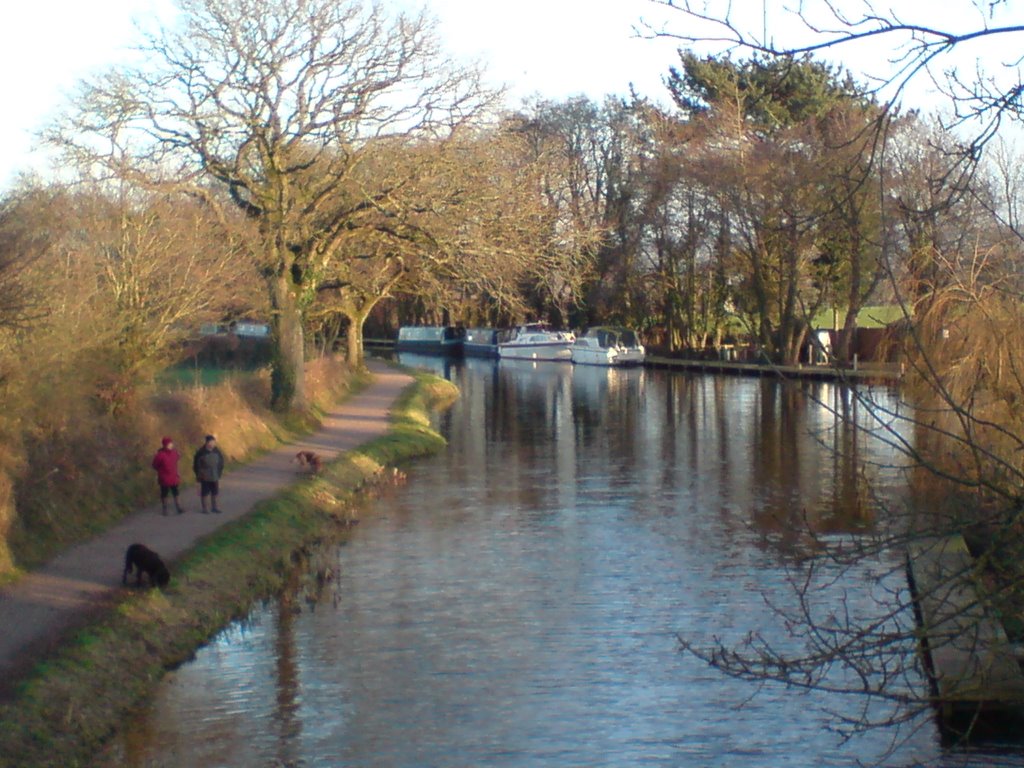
x=537, y=341
x=607, y=345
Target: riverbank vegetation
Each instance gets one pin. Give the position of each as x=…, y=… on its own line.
x=72, y=702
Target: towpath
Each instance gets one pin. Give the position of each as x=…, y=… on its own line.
x=40, y=608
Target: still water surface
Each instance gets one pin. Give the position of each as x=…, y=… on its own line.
x=518, y=601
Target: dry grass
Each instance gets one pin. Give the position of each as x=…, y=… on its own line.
x=965, y=361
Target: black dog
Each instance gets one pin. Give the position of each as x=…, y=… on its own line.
x=143, y=559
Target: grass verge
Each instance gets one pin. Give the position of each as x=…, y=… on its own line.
x=74, y=701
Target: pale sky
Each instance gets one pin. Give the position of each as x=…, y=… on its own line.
x=554, y=48
x=46, y=47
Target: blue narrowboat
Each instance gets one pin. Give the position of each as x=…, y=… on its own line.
x=431, y=339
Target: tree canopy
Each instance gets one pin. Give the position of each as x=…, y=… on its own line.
x=771, y=92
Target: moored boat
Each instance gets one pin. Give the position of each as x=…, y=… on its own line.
x=537, y=341
x=483, y=342
x=608, y=345
x=431, y=339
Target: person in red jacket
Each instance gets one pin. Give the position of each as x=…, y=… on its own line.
x=166, y=465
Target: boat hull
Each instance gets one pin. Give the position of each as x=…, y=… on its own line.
x=430, y=340
x=537, y=341
x=443, y=348
x=553, y=352
x=608, y=357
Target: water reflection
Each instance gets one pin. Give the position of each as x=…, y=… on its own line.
x=517, y=603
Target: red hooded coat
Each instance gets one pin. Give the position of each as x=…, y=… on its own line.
x=166, y=464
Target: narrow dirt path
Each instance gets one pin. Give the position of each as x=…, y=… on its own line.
x=37, y=610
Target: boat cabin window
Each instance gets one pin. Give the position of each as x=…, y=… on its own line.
x=612, y=337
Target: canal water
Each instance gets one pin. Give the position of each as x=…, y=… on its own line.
x=520, y=600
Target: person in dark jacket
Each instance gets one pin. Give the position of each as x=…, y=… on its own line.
x=165, y=462
x=208, y=465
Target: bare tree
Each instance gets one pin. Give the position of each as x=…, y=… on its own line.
x=163, y=266
x=272, y=101
x=592, y=154
x=123, y=280
x=23, y=239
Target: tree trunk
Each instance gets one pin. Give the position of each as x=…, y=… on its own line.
x=847, y=334
x=354, y=338
x=287, y=376
x=765, y=328
x=330, y=333
x=793, y=343
x=855, y=294
x=354, y=333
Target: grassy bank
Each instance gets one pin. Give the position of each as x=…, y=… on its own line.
x=73, y=702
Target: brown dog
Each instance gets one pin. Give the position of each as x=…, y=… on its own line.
x=309, y=459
